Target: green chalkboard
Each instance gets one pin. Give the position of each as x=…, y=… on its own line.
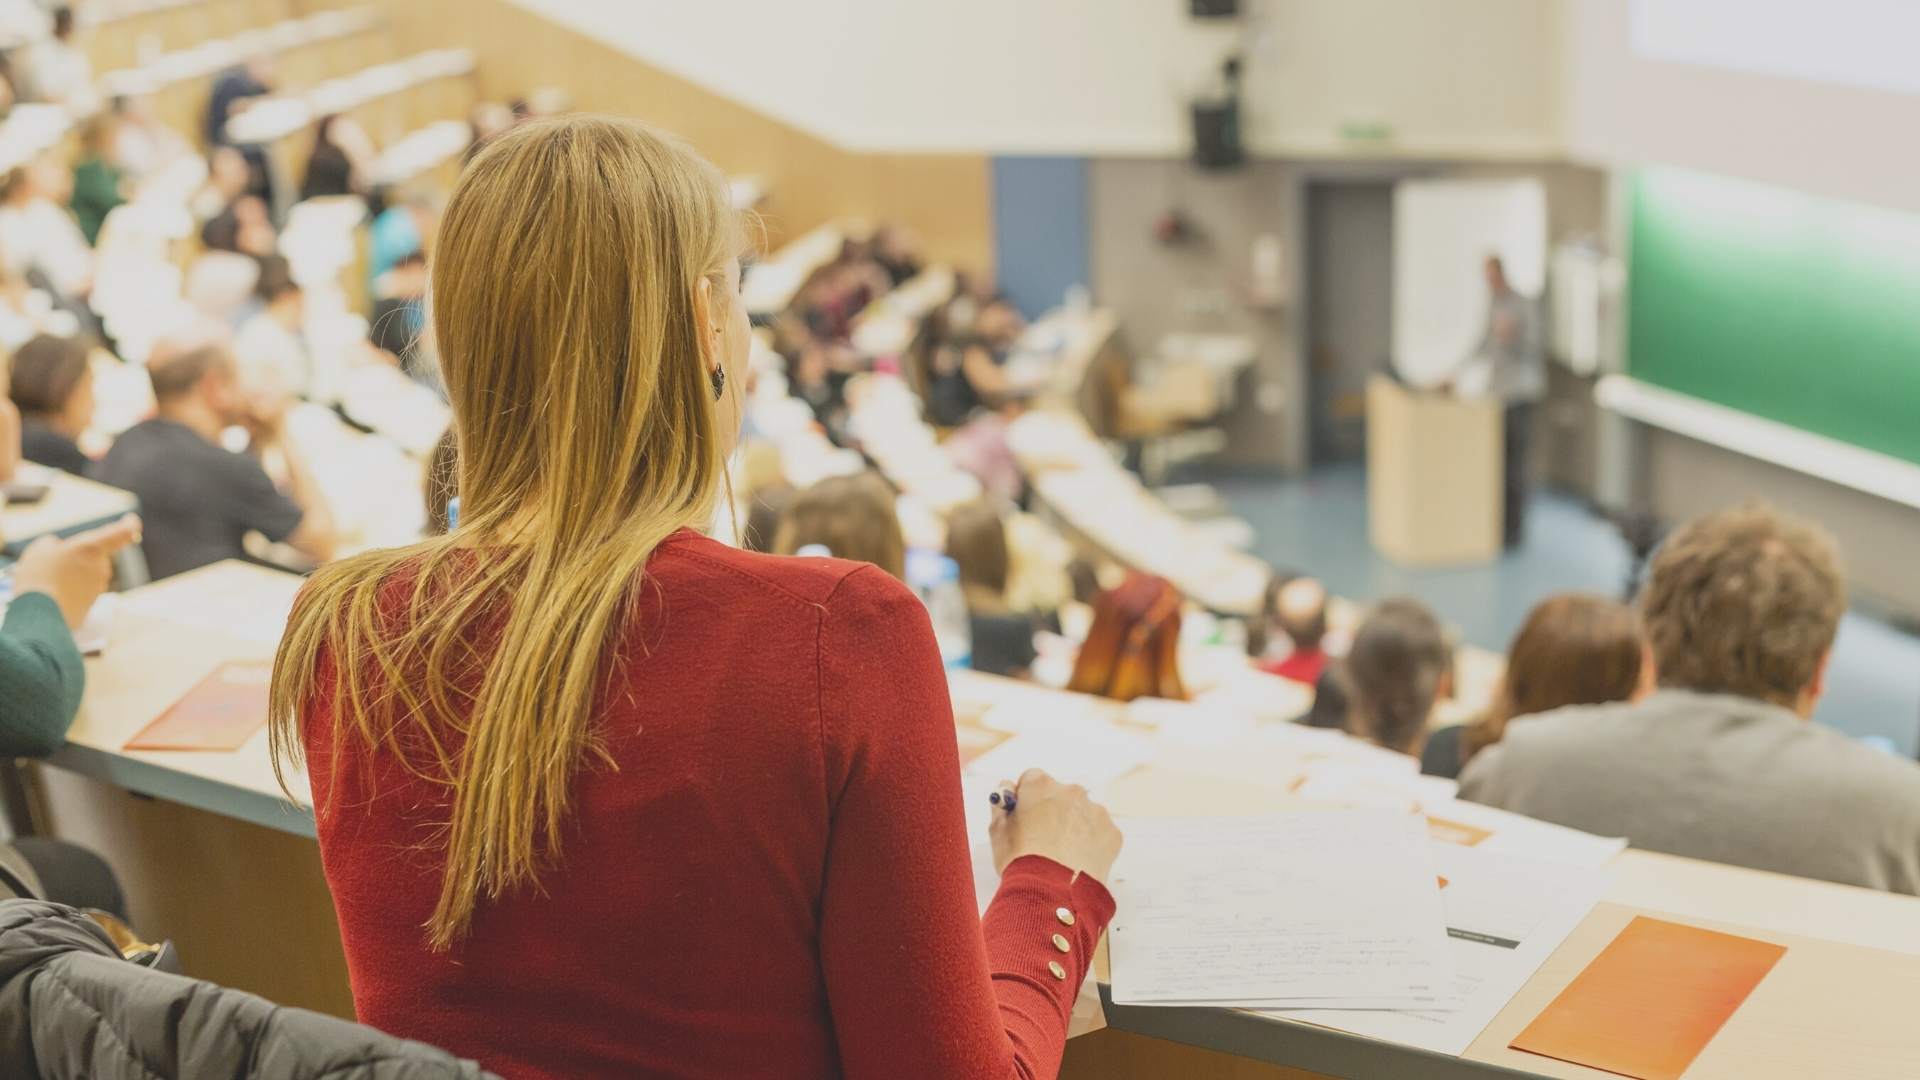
x=1777, y=303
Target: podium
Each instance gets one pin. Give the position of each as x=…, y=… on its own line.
x=1434, y=476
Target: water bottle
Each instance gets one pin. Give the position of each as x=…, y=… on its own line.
x=937, y=579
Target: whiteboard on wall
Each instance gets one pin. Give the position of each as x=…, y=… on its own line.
x=1443, y=231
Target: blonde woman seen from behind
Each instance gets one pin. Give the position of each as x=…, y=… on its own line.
x=599, y=796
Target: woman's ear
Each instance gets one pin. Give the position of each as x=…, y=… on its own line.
x=706, y=323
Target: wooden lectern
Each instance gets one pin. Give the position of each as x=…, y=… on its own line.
x=1434, y=476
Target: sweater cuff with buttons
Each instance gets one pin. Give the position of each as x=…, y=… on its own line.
x=1044, y=923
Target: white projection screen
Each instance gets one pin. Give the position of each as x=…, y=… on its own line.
x=1443, y=230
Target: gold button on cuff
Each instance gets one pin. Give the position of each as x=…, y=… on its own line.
x=1065, y=916
x=1061, y=944
x=1058, y=971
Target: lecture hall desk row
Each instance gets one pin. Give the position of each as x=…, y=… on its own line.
x=217, y=859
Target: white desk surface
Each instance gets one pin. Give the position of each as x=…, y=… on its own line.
x=71, y=504
x=151, y=660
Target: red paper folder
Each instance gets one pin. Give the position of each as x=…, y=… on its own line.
x=221, y=712
x=1651, y=1001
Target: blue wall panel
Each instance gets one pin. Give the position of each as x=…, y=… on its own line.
x=1039, y=229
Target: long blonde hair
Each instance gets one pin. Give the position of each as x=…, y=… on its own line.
x=563, y=295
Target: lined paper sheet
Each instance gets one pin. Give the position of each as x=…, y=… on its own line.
x=1505, y=915
x=1339, y=908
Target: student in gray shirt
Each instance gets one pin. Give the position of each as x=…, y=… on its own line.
x=1723, y=763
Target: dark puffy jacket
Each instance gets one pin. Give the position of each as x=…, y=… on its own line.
x=70, y=1007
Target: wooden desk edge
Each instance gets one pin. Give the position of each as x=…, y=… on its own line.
x=174, y=785
x=1292, y=1044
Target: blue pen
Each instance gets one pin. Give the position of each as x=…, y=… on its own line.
x=1003, y=799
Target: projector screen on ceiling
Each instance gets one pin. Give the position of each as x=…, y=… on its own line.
x=1860, y=43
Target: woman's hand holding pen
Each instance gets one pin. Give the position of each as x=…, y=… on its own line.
x=1056, y=820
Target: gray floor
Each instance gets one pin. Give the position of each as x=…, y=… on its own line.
x=1319, y=525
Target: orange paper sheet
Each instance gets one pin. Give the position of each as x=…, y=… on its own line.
x=221, y=712
x=1651, y=1001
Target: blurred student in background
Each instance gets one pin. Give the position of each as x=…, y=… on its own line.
x=271, y=347
x=199, y=499
x=398, y=322
x=1400, y=666
x=1723, y=762
x=142, y=145
x=1133, y=648
x=1574, y=649
x=721, y=789
x=56, y=71
x=1296, y=606
x=1002, y=637
x=341, y=156
x=99, y=183
x=39, y=238
x=769, y=505
x=52, y=386
x=853, y=517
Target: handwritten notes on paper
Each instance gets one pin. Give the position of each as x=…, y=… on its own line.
x=1333, y=909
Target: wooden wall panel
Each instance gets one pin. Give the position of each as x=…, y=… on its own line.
x=943, y=198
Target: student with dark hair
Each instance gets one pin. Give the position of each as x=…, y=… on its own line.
x=52, y=385
x=1399, y=667
x=271, y=346
x=399, y=317
x=1574, y=649
x=333, y=168
x=199, y=499
x=1296, y=606
x=1002, y=638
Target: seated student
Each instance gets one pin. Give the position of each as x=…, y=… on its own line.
x=270, y=348
x=959, y=357
x=228, y=178
x=200, y=499
x=341, y=154
x=1333, y=695
x=99, y=183
x=55, y=582
x=399, y=319
x=896, y=251
x=38, y=235
x=53, y=387
x=770, y=503
x=143, y=145
x=646, y=804
x=853, y=517
x=1002, y=638
x=243, y=227
x=1574, y=649
x=1399, y=667
x=1133, y=647
x=1296, y=606
x=1723, y=762
x=56, y=71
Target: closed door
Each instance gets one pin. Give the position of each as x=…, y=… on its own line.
x=1349, y=309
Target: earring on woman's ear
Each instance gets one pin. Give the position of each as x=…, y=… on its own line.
x=719, y=383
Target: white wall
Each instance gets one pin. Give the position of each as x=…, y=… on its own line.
x=1453, y=78
x=1844, y=141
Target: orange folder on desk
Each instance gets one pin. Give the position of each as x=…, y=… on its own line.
x=1651, y=1001
x=221, y=712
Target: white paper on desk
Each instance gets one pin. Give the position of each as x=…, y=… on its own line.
x=1505, y=915
x=1487, y=829
x=1189, y=723
x=1340, y=906
x=1366, y=782
x=1086, y=754
x=241, y=613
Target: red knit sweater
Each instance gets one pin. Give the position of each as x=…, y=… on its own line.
x=771, y=881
